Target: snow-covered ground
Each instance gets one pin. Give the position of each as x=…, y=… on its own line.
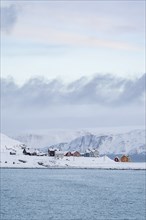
x=23, y=161
x=19, y=160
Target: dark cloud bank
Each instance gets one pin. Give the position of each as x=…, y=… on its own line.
x=103, y=90
x=104, y=100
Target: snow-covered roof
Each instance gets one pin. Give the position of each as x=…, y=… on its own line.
x=87, y=151
x=75, y=152
x=52, y=149
x=59, y=152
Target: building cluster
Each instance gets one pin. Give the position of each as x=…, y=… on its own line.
x=124, y=158
x=27, y=151
x=52, y=152
x=58, y=154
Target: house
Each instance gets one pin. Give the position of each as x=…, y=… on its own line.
x=51, y=152
x=41, y=154
x=96, y=153
x=68, y=154
x=117, y=159
x=75, y=154
x=87, y=153
x=91, y=153
x=125, y=158
x=29, y=152
x=26, y=152
x=59, y=154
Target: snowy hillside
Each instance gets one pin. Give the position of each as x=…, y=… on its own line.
x=8, y=143
x=128, y=143
x=47, y=138
x=132, y=142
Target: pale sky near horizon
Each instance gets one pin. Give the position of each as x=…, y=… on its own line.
x=72, y=39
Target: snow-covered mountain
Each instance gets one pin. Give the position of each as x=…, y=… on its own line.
x=42, y=139
x=129, y=143
x=132, y=142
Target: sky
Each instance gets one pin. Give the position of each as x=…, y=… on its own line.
x=71, y=64
x=72, y=39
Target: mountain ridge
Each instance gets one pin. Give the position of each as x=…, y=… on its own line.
x=132, y=142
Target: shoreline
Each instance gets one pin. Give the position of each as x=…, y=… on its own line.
x=79, y=168
x=21, y=161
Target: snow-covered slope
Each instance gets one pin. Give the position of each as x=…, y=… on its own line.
x=47, y=138
x=8, y=143
x=132, y=142
x=129, y=143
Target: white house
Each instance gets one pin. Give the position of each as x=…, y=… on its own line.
x=96, y=153
x=59, y=154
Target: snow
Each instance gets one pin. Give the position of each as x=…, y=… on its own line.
x=52, y=137
x=129, y=142
x=13, y=161
x=25, y=161
x=9, y=142
x=8, y=145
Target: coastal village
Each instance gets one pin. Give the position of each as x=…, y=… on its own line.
x=15, y=154
x=20, y=156
x=58, y=154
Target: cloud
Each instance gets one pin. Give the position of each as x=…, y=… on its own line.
x=105, y=90
x=134, y=90
x=103, y=100
x=9, y=16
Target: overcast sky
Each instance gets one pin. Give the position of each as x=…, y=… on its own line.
x=72, y=39
x=72, y=64
x=101, y=101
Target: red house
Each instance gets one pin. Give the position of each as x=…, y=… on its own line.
x=76, y=154
x=68, y=154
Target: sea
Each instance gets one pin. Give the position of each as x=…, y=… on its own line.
x=72, y=194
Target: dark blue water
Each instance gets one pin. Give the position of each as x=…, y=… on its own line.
x=48, y=194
